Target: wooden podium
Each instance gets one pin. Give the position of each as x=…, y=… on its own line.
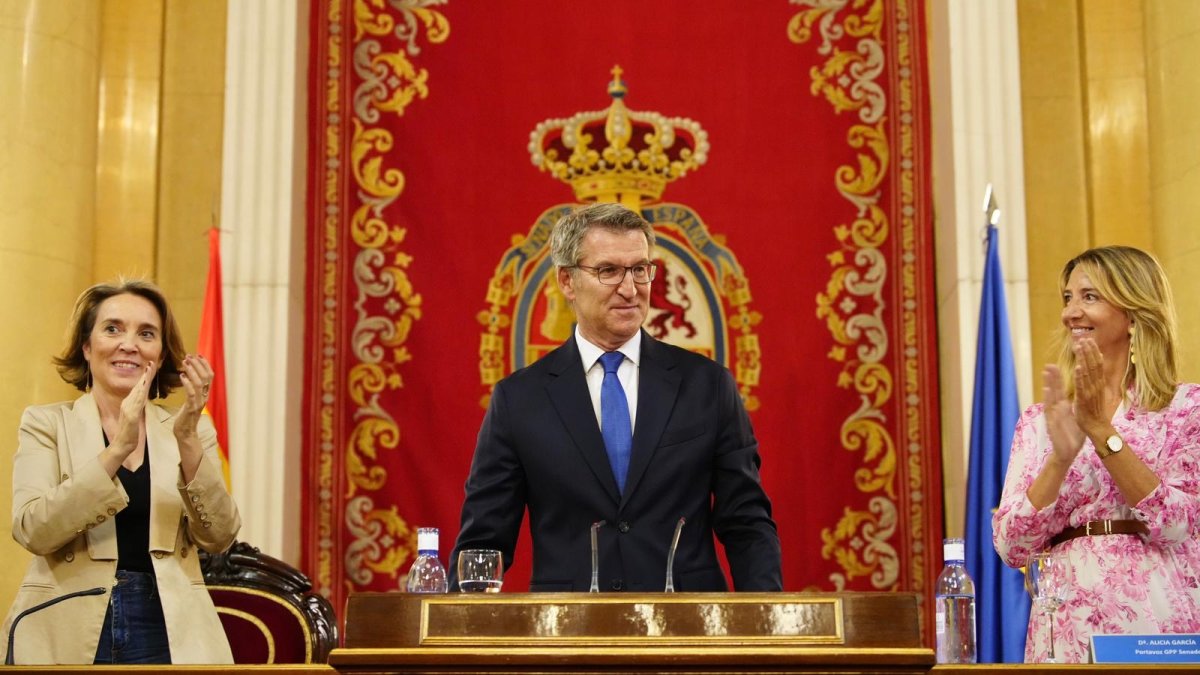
x=623, y=632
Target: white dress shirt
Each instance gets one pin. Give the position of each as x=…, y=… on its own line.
x=627, y=372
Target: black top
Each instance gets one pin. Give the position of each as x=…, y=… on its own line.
x=133, y=522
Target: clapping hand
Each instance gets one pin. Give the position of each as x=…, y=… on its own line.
x=129, y=426
x=197, y=376
x=1066, y=436
x=1090, y=402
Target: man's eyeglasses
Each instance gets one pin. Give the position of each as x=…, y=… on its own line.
x=613, y=275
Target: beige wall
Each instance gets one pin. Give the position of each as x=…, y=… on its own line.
x=1057, y=208
x=189, y=175
x=1111, y=110
x=1173, y=108
x=112, y=131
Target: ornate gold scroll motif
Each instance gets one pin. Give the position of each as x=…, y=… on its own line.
x=859, y=543
x=387, y=303
x=853, y=303
x=824, y=14
x=700, y=295
x=380, y=543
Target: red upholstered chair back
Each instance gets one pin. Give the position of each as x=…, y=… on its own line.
x=268, y=609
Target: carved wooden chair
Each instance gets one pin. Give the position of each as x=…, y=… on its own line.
x=268, y=608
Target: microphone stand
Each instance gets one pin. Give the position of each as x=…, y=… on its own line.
x=670, y=588
x=595, y=558
x=12, y=630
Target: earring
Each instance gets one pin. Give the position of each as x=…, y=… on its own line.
x=87, y=383
x=1132, y=355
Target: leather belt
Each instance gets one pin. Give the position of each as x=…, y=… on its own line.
x=1096, y=528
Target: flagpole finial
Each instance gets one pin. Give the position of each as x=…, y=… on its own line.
x=990, y=207
x=991, y=210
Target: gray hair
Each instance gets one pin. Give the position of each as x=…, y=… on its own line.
x=569, y=231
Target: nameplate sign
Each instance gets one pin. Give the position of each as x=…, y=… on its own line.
x=599, y=620
x=664, y=623
x=1181, y=648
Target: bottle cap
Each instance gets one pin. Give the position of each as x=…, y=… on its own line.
x=427, y=539
x=953, y=550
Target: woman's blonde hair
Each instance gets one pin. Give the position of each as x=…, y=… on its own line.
x=1131, y=280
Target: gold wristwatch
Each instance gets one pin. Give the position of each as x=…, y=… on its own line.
x=1112, y=445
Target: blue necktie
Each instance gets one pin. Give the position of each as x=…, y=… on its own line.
x=614, y=418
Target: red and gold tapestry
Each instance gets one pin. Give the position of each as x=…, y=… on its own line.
x=781, y=149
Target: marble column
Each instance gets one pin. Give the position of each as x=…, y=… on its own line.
x=262, y=218
x=976, y=119
x=127, y=142
x=48, y=83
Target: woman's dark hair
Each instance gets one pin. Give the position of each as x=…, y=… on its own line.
x=73, y=367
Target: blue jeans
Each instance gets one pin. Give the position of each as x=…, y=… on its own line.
x=134, y=630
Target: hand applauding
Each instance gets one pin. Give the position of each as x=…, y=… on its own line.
x=197, y=376
x=1065, y=435
x=129, y=427
x=1093, y=410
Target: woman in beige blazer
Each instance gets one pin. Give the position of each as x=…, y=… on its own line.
x=113, y=491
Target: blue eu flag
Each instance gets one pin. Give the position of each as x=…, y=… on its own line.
x=1002, y=607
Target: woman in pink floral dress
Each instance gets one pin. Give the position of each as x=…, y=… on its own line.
x=1106, y=471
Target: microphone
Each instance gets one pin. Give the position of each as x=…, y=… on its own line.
x=595, y=558
x=670, y=588
x=12, y=630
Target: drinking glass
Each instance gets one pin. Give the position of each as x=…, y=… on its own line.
x=480, y=571
x=1046, y=581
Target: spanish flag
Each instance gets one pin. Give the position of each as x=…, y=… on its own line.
x=212, y=346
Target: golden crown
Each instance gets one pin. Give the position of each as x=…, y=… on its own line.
x=644, y=152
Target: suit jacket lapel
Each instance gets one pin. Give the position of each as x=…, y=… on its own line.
x=165, y=507
x=568, y=391
x=658, y=385
x=85, y=438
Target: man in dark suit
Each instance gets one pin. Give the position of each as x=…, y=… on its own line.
x=616, y=426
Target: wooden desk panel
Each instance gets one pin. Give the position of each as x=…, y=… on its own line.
x=868, y=620
x=281, y=669
x=1060, y=669
x=642, y=633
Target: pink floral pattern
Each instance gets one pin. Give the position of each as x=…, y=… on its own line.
x=1121, y=583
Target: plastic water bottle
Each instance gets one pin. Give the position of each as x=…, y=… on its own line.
x=427, y=574
x=954, y=603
